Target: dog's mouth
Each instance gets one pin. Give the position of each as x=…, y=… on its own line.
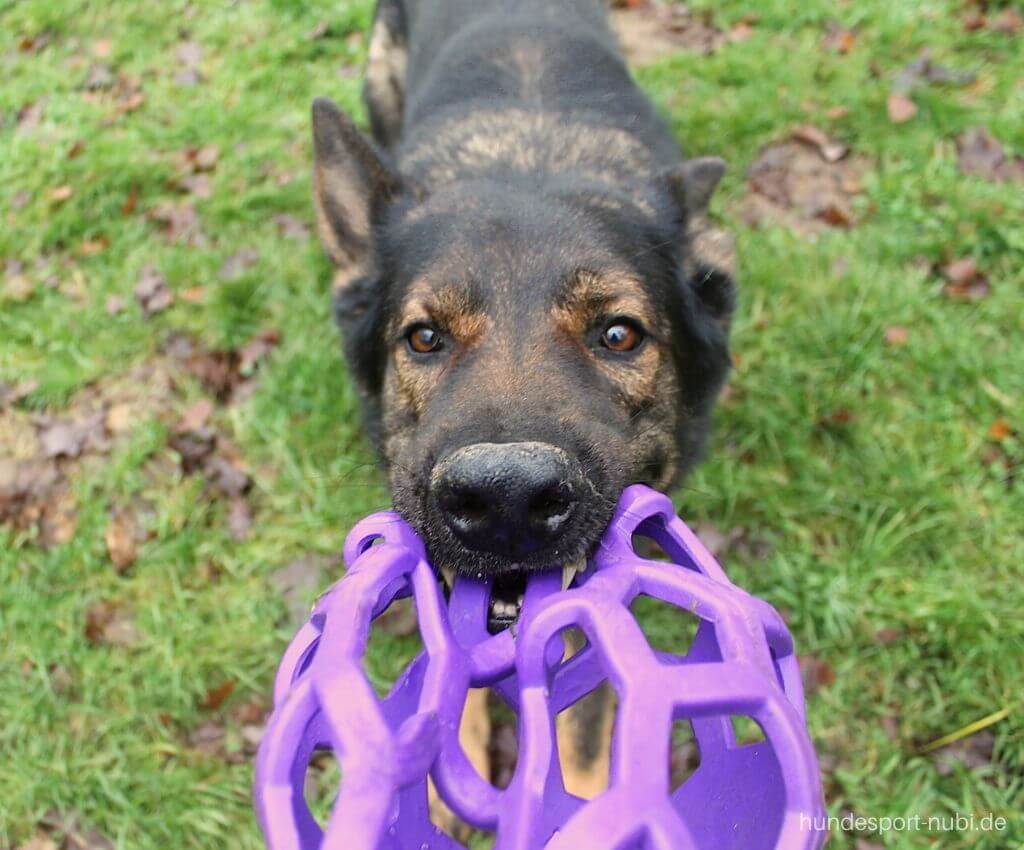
x=508, y=592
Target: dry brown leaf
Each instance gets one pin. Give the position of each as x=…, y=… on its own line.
x=648, y=31
x=1008, y=22
x=900, y=108
x=897, y=335
x=839, y=39
x=120, y=536
x=829, y=148
x=59, y=194
x=817, y=673
x=131, y=200
x=250, y=354
x=981, y=154
x=195, y=417
x=965, y=281
x=29, y=116
x=208, y=738
x=108, y=623
x=114, y=305
x=290, y=227
x=238, y=263
x=240, y=519
x=216, y=697
x=71, y=437
x=999, y=430
x=180, y=222
x=152, y=292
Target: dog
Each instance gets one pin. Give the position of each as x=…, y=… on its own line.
x=533, y=302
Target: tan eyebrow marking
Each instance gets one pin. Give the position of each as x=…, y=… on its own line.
x=450, y=307
x=591, y=295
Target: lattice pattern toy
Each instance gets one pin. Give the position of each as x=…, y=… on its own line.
x=760, y=796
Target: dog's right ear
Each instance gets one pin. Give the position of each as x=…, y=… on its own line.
x=351, y=183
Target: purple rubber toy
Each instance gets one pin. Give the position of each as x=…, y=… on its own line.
x=759, y=796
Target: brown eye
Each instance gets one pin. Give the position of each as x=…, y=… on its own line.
x=622, y=335
x=423, y=339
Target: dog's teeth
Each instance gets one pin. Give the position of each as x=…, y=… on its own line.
x=521, y=599
x=448, y=574
x=568, y=574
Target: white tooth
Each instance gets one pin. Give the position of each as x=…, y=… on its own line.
x=449, y=576
x=568, y=574
x=521, y=600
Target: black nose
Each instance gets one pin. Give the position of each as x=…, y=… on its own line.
x=507, y=498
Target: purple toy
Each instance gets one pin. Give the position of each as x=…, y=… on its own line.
x=760, y=796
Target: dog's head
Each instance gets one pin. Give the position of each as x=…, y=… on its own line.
x=524, y=353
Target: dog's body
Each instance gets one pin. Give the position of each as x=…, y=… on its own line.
x=533, y=304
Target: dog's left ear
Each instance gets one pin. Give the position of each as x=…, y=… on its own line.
x=711, y=260
x=351, y=183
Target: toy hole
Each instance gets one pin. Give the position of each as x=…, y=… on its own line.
x=321, y=783
x=503, y=746
x=684, y=755
x=369, y=542
x=653, y=541
x=746, y=731
x=669, y=629
x=453, y=826
x=393, y=644
x=583, y=735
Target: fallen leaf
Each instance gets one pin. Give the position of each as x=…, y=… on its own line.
x=975, y=20
x=216, y=697
x=190, y=56
x=900, y=108
x=92, y=247
x=195, y=416
x=18, y=288
x=29, y=116
x=319, y=30
x=290, y=227
x=99, y=76
x=208, y=738
x=225, y=473
x=197, y=185
x=897, y=335
x=973, y=752
x=300, y=582
x=980, y=154
x=193, y=295
x=1008, y=22
x=20, y=200
x=131, y=200
x=839, y=39
x=102, y=48
x=59, y=194
x=238, y=263
x=120, y=536
x=11, y=394
x=888, y=635
x=924, y=72
x=999, y=430
x=791, y=183
x=740, y=32
x=76, y=149
x=108, y=623
x=70, y=437
x=114, y=305
x=830, y=149
x=240, y=519
x=964, y=281
x=74, y=836
x=648, y=31
x=838, y=418
x=817, y=673
x=152, y=292
x=196, y=159
x=180, y=222
x=250, y=354
x=34, y=43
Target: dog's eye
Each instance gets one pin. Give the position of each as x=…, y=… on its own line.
x=622, y=335
x=423, y=339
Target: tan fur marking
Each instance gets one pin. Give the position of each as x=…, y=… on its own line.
x=474, y=738
x=583, y=776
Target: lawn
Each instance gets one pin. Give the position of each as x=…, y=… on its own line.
x=180, y=449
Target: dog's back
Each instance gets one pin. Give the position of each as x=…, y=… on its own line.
x=511, y=90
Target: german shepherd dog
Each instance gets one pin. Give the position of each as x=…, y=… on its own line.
x=533, y=302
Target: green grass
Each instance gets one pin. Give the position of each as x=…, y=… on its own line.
x=893, y=520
